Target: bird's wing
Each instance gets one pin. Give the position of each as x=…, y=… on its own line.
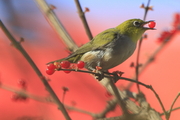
x=98, y=42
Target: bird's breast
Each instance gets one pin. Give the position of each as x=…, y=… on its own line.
x=118, y=54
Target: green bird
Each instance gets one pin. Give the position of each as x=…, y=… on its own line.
x=110, y=47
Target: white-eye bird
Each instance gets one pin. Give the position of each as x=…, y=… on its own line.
x=110, y=47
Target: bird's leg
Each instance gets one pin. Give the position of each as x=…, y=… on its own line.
x=99, y=76
x=99, y=73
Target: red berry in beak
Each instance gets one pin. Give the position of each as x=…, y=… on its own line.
x=151, y=24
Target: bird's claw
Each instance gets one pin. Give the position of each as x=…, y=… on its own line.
x=98, y=74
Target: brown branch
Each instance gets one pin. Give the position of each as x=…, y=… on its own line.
x=130, y=117
x=83, y=19
x=56, y=24
x=80, y=110
x=144, y=110
x=118, y=97
x=110, y=106
x=37, y=71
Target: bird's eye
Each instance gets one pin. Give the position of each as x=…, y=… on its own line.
x=136, y=23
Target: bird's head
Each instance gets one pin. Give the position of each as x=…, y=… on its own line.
x=133, y=28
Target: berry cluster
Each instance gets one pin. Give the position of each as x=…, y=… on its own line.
x=165, y=35
x=18, y=97
x=52, y=67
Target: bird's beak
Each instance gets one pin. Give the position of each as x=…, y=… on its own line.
x=145, y=23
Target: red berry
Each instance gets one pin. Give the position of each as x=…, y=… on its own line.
x=51, y=66
x=152, y=24
x=65, y=64
x=66, y=71
x=80, y=64
x=50, y=72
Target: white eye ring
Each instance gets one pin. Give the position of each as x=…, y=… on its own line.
x=136, y=23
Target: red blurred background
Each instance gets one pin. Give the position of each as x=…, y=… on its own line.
x=24, y=19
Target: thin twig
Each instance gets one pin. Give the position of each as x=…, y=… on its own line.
x=27, y=94
x=170, y=110
x=56, y=24
x=83, y=19
x=157, y=96
x=146, y=10
x=139, y=48
x=178, y=108
x=37, y=71
x=107, y=76
x=80, y=110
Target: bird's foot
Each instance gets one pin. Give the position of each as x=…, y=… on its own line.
x=98, y=73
